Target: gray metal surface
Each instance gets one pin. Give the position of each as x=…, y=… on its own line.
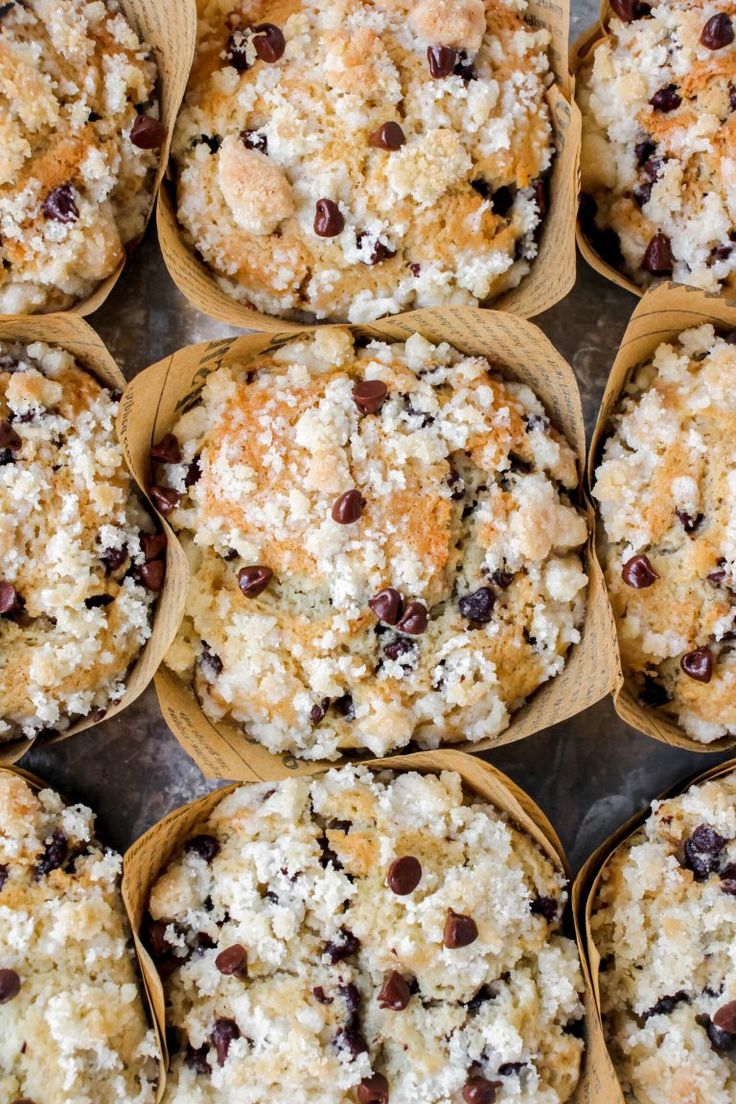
x=588, y=774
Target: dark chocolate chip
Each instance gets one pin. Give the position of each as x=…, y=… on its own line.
x=194, y=472
x=459, y=930
x=690, y=522
x=380, y=252
x=223, y=1034
x=414, y=619
x=54, y=855
x=152, y=575
x=59, y=204
x=370, y=395
x=717, y=33
x=98, y=601
x=345, y=706
x=388, y=136
x=398, y=648
x=318, y=710
x=629, y=10
x=725, y=1018
x=167, y=450
x=254, y=579
x=4, y=873
x=165, y=499
x=394, y=994
x=328, y=220
x=253, y=140
x=666, y=1004
x=153, y=546
x=416, y=269
x=206, y=847
x=113, y=558
x=350, y=1039
x=638, y=572
x=511, y=1069
x=212, y=141
x=666, y=98
x=441, y=60
x=479, y=1090
x=546, y=907
x=269, y=42
x=9, y=439
x=658, y=256
x=147, y=133
x=721, y=1041
x=233, y=961
x=9, y=985
x=373, y=1090
x=465, y=68
x=643, y=151
x=236, y=51
x=319, y=995
x=387, y=605
x=478, y=606
x=197, y=1059
x=350, y=993
x=342, y=946
x=502, y=578
x=541, y=196
x=701, y=851
x=10, y=600
x=404, y=875
x=698, y=664
x=209, y=662
x=348, y=507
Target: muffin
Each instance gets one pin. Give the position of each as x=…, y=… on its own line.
x=80, y=137
x=659, y=128
x=664, y=924
x=665, y=489
x=80, y=564
x=354, y=159
x=382, y=545
x=365, y=937
x=72, y=1020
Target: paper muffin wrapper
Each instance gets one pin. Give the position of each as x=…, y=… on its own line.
x=552, y=273
x=584, y=895
x=37, y=784
x=155, y=399
x=148, y=856
x=663, y=313
x=70, y=332
x=169, y=28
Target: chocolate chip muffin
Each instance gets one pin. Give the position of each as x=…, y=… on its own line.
x=72, y=1020
x=80, y=135
x=80, y=565
x=382, y=545
x=399, y=937
x=665, y=488
x=350, y=160
x=664, y=924
x=659, y=129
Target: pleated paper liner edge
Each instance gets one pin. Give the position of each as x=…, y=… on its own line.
x=584, y=894
x=155, y=398
x=169, y=27
x=36, y=784
x=149, y=855
x=662, y=313
x=552, y=273
x=72, y=333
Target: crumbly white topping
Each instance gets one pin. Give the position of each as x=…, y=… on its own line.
x=76, y=1029
x=66, y=502
x=73, y=78
x=465, y=485
x=664, y=171
x=301, y=866
x=666, y=489
x=416, y=232
x=664, y=923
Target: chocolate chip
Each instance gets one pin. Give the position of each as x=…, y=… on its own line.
x=541, y=197
x=666, y=99
x=643, y=151
x=459, y=930
x=479, y=1090
x=223, y=1034
x=398, y=648
x=701, y=852
x=658, y=256
x=666, y=1004
x=194, y=472
x=254, y=579
x=546, y=907
x=98, y=601
x=638, y=572
x=9, y=439
x=725, y=1018
x=465, y=68
x=348, y=507
x=698, y=664
x=345, y=706
x=629, y=10
x=10, y=600
x=414, y=619
x=152, y=575
x=165, y=499
x=59, y=204
x=319, y=995
x=197, y=1059
x=394, y=994
x=147, y=133
x=653, y=693
x=478, y=606
x=156, y=940
x=690, y=522
x=54, y=854
x=502, y=578
x=387, y=605
x=209, y=662
x=348, y=1038
x=212, y=141
x=388, y=136
x=380, y=252
x=236, y=51
x=511, y=1069
x=370, y=395
x=727, y=876
x=206, y=847
x=113, y=558
x=4, y=873
x=441, y=61
x=317, y=712
x=404, y=875
x=167, y=450
x=253, y=140
x=721, y=1041
x=342, y=946
x=350, y=993
x=328, y=220
x=233, y=961
x=717, y=33
x=373, y=1090
x=269, y=42
x=153, y=546
x=416, y=269
x=9, y=985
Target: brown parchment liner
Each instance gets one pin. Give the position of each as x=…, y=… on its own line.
x=37, y=784
x=70, y=332
x=149, y=855
x=584, y=896
x=156, y=398
x=169, y=28
x=552, y=272
x=662, y=314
